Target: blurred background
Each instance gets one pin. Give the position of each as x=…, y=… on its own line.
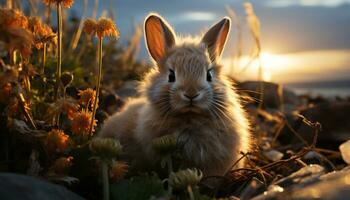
x=305, y=44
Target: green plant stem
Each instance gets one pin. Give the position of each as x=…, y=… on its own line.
x=105, y=181
x=170, y=169
x=59, y=49
x=59, y=56
x=98, y=82
x=190, y=192
x=170, y=164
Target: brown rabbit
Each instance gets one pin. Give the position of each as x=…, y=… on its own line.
x=186, y=94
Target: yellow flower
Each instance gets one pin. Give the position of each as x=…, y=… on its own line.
x=81, y=123
x=102, y=28
x=62, y=165
x=57, y=140
x=87, y=97
x=118, y=170
x=65, y=3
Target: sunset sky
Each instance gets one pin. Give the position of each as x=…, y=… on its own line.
x=302, y=40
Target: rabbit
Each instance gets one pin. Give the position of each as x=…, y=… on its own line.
x=185, y=94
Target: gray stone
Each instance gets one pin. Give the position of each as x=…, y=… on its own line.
x=16, y=186
x=311, y=183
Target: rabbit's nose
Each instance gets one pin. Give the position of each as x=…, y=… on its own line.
x=191, y=96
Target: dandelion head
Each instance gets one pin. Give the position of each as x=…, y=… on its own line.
x=106, y=27
x=57, y=141
x=90, y=26
x=184, y=178
x=105, y=149
x=165, y=145
x=81, y=123
x=118, y=170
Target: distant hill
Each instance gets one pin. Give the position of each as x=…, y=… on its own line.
x=321, y=84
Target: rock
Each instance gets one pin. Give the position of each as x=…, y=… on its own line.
x=332, y=186
x=273, y=155
x=335, y=122
x=345, y=151
x=310, y=183
x=16, y=186
x=272, y=93
x=306, y=174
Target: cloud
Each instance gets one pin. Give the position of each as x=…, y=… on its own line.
x=322, y=3
x=192, y=16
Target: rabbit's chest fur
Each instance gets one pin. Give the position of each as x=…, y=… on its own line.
x=204, y=143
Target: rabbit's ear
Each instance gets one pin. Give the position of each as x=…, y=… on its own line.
x=216, y=37
x=159, y=36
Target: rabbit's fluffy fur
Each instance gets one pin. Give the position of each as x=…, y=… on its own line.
x=179, y=97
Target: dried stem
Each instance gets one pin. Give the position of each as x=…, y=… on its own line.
x=43, y=61
x=98, y=83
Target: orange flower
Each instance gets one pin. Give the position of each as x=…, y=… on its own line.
x=102, y=28
x=65, y=3
x=90, y=26
x=87, y=97
x=118, y=170
x=11, y=18
x=57, y=140
x=13, y=28
x=42, y=32
x=106, y=27
x=81, y=123
x=62, y=165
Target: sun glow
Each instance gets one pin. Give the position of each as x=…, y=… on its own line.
x=300, y=66
x=270, y=63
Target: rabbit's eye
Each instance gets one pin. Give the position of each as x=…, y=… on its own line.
x=171, y=76
x=210, y=75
